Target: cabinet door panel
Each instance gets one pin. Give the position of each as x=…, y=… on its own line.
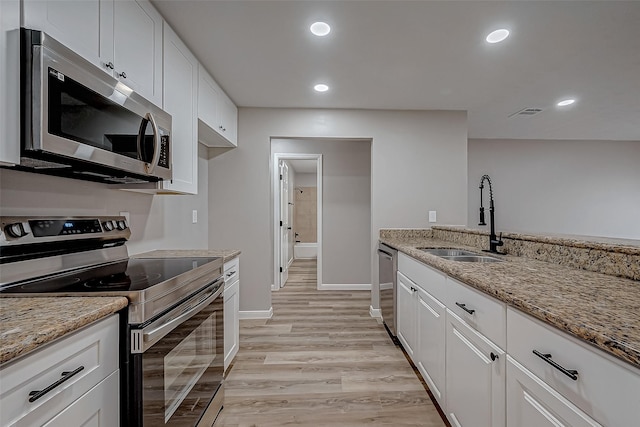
x=98, y=408
x=406, y=314
x=532, y=403
x=231, y=322
x=475, y=383
x=85, y=26
x=431, y=343
x=138, y=47
x=180, y=100
x=9, y=90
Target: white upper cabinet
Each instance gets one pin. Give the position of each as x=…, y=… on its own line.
x=86, y=26
x=9, y=79
x=180, y=100
x=217, y=114
x=123, y=37
x=137, y=47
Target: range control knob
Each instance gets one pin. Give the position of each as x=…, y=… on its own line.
x=15, y=230
x=108, y=225
x=121, y=225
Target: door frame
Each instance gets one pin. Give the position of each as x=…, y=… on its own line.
x=275, y=184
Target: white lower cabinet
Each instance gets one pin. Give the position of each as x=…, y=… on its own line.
x=475, y=377
x=567, y=379
x=99, y=407
x=231, y=310
x=430, y=356
x=407, y=313
x=34, y=391
x=533, y=403
x=457, y=336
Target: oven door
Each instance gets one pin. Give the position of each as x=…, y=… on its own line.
x=178, y=376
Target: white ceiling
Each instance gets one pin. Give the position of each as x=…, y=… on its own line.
x=430, y=55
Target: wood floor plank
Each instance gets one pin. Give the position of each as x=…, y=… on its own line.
x=321, y=360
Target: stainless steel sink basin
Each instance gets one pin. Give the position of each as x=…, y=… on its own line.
x=459, y=255
x=473, y=258
x=446, y=252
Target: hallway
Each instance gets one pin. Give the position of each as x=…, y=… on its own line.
x=321, y=360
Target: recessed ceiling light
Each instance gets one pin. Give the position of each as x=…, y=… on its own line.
x=320, y=29
x=566, y=102
x=497, y=35
x=321, y=87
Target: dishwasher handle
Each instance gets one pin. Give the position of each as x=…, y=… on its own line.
x=385, y=254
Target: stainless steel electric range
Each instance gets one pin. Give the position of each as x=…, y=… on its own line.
x=172, y=343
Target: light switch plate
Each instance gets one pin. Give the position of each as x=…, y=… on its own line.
x=194, y=216
x=432, y=216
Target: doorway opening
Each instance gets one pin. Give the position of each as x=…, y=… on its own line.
x=297, y=189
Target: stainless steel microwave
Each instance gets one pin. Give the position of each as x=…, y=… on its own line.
x=77, y=121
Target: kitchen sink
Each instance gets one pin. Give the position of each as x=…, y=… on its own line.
x=460, y=255
x=447, y=252
x=472, y=258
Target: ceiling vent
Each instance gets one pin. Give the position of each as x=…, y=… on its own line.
x=526, y=112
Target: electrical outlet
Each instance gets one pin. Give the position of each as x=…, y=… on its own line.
x=432, y=216
x=194, y=216
x=125, y=214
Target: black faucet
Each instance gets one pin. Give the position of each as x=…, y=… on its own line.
x=493, y=241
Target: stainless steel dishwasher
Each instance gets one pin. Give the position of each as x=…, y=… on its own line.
x=387, y=270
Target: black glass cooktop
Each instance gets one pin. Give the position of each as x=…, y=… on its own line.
x=126, y=276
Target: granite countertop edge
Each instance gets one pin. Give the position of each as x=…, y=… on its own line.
x=493, y=279
x=43, y=320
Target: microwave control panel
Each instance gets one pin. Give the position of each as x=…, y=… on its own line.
x=163, y=161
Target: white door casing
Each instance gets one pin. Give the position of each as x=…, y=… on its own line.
x=284, y=222
x=278, y=257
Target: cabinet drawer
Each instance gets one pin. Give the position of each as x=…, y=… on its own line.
x=94, y=348
x=422, y=275
x=605, y=389
x=231, y=271
x=485, y=314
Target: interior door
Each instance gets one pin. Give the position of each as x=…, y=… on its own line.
x=285, y=225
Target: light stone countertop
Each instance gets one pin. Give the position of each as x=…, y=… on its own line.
x=226, y=254
x=600, y=309
x=28, y=323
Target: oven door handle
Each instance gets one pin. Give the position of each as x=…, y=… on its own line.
x=151, y=336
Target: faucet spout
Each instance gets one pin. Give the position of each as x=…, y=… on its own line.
x=494, y=242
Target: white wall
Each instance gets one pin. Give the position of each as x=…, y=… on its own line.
x=306, y=180
x=156, y=222
x=419, y=163
x=587, y=188
x=346, y=198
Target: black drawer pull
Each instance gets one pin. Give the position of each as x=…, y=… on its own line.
x=494, y=356
x=37, y=394
x=573, y=374
x=464, y=307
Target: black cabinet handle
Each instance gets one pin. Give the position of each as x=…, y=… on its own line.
x=464, y=307
x=37, y=394
x=573, y=374
x=494, y=356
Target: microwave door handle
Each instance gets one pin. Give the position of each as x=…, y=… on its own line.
x=156, y=149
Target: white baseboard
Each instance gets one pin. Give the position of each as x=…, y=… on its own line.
x=258, y=314
x=274, y=287
x=345, y=287
x=375, y=312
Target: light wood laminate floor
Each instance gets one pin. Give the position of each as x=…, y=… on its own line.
x=321, y=360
